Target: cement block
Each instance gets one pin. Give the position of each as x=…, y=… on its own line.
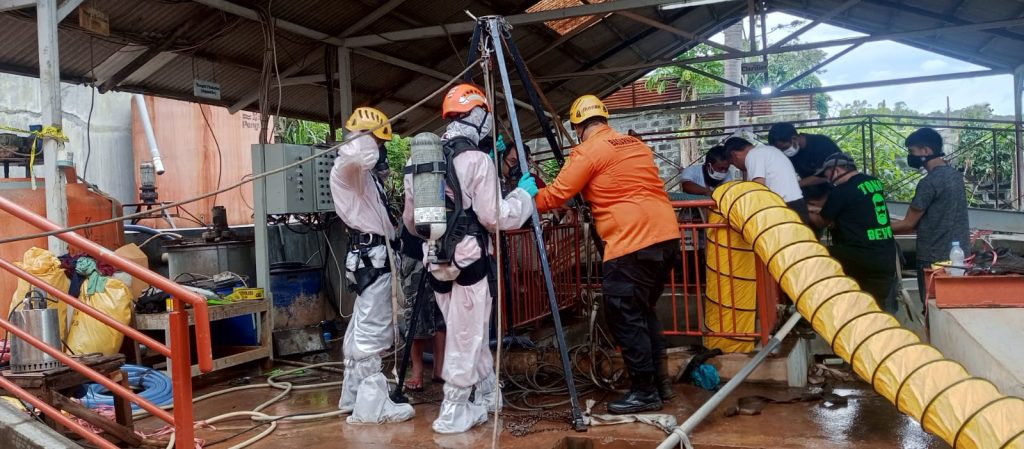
x=19, y=431
x=986, y=341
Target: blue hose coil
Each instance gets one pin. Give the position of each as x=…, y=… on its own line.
x=152, y=385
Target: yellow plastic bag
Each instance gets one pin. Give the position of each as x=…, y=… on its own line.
x=45, y=266
x=87, y=334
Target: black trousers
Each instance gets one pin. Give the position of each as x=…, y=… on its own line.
x=632, y=285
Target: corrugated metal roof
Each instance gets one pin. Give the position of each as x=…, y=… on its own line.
x=231, y=51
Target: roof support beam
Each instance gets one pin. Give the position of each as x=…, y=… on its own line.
x=671, y=29
x=10, y=5
x=851, y=86
x=251, y=14
x=822, y=18
x=717, y=78
x=135, y=64
x=518, y=19
x=722, y=22
x=441, y=76
x=66, y=8
x=903, y=7
x=797, y=47
x=817, y=67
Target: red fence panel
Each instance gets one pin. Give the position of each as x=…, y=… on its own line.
x=524, y=289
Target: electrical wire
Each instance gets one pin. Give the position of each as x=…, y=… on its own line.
x=265, y=174
x=88, y=121
x=257, y=414
x=161, y=234
x=220, y=155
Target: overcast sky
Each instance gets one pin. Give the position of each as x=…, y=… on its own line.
x=888, y=60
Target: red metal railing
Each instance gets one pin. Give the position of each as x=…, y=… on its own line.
x=525, y=293
x=526, y=297
x=689, y=283
x=178, y=349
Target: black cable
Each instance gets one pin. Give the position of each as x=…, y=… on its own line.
x=88, y=121
x=220, y=156
x=326, y=273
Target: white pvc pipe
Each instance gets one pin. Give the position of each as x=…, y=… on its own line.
x=147, y=126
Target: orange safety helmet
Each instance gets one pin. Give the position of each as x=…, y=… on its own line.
x=461, y=99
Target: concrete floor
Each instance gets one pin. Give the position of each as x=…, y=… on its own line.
x=868, y=421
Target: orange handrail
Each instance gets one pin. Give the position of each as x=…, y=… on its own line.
x=55, y=414
x=86, y=371
x=178, y=348
x=140, y=337
x=198, y=303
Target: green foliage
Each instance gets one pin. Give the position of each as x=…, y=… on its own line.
x=781, y=68
x=302, y=132
x=975, y=152
x=663, y=77
x=398, y=154
x=549, y=170
x=972, y=152
x=886, y=160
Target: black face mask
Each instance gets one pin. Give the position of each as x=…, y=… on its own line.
x=918, y=162
x=514, y=171
x=382, y=159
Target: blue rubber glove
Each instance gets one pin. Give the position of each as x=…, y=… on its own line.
x=528, y=184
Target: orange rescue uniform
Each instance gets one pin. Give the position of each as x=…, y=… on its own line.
x=617, y=176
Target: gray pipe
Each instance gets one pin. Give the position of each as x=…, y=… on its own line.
x=147, y=126
x=681, y=433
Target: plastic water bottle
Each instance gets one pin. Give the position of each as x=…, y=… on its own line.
x=956, y=258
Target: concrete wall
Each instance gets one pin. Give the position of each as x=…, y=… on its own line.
x=111, y=166
x=986, y=341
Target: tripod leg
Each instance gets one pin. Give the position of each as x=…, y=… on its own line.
x=577, y=412
x=419, y=303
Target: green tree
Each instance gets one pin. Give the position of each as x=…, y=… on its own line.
x=398, y=153
x=877, y=147
x=877, y=143
x=301, y=132
x=781, y=68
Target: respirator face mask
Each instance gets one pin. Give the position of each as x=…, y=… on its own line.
x=716, y=175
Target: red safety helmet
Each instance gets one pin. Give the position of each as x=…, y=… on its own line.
x=463, y=98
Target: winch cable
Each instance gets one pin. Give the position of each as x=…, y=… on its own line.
x=316, y=154
x=485, y=64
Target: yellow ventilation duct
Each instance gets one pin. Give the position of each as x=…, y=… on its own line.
x=730, y=304
x=967, y=412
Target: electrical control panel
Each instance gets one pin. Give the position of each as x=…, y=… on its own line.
x=322, y=166
x=294, y=190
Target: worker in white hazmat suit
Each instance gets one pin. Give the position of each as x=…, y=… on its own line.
x=360, y=201
x=464, y=293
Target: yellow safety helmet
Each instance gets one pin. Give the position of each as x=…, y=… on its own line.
x=586, y=107
x=367, y=118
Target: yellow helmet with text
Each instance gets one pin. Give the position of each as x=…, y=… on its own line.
x=366, y=119
x=586, y=107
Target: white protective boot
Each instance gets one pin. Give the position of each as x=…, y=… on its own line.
x=457, y=413
x=374, y=406
x=355, y=372
x=487, y=393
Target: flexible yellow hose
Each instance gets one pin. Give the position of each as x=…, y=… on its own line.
x=967, y=412
x=730, y=303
